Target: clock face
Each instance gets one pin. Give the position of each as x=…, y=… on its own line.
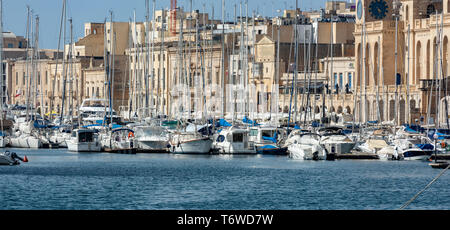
x=359, y=10
x=378, y=9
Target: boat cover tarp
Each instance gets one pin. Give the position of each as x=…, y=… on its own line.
x=409, y=130
x=267, y=147
x=441, y=136
x=114, y=126
x=122, y=129
x=376, y=144
x=425, y=146
x=38, y=124
x=223, y=123
x=248, y=121
x=273, y=139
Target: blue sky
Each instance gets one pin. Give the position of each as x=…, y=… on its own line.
x=81, y=11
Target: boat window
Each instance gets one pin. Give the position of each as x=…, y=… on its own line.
x=253, y=132
x=267, y=133
x=238, y=137
x=86, y=137
x=221, y=138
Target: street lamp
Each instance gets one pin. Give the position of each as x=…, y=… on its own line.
x=396, y=14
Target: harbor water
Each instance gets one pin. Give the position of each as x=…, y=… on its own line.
x=60, y=180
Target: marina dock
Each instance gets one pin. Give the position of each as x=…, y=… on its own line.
x=357, y=156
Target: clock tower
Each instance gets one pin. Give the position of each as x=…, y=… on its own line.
x=373, y=10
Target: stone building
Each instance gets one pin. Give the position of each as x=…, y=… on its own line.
x=405, y=95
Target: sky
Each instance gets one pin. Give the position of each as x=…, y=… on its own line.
x=82, y=11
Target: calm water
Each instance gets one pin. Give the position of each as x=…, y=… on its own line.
x=57, y=179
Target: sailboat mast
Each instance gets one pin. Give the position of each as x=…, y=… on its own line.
x=1, y=67
x=222, y=81
x=64, y=74
x=395, y=72
x=152, y=69
x=295, y=88
x=71, y=71
x=203, y=64
x=233, y=90
x=111, y=69
x=277, y=79
x=147, y=57
x=161, y=59
x=378, y=82
x=333, y=83
x=254, y=55
x=27, y=94
x=56, y=66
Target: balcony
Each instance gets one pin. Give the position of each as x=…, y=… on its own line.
x=429, y=84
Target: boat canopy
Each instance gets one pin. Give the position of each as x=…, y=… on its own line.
x=223, y=123
x=121, y=129
x=248, y=121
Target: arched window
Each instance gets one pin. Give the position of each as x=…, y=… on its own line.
x=407, y=13
x=418, y=62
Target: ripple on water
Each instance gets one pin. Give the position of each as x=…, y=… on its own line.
x=57, y=179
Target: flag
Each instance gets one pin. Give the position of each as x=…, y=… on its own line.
x=18, y=93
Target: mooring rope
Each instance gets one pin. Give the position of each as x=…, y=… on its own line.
x=423, y=190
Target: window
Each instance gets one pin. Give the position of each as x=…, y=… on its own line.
x=10, y=45
x=17, y=78
x=349, y=80
x=335, y=80
x=238, y=137
x=23, y=82
x=164, y=79
x=341, y=81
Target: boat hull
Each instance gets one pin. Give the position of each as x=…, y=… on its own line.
x=6, y=160
x=84, y=147
x=122, y=151
x=339, y=148
x=153, y=146
x=26, y=142
x=304, y=152
x=200, y=146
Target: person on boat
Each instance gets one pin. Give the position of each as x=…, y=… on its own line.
x=395, y=153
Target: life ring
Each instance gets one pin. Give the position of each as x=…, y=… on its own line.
x=130, y=134
x=443, y=144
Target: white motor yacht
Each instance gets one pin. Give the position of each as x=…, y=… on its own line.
x=335, y=142
x=233, y=141
x=152, y=138
x=120, y=140
x=84, y=140
x=190, y=143
x=305, y=146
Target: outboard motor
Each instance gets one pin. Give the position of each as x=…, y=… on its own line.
x=14, y=155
